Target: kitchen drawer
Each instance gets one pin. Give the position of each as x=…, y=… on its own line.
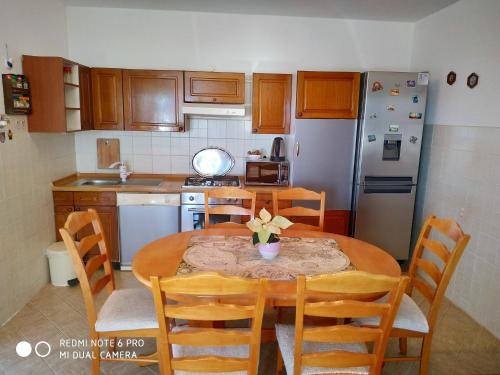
x=63, y=198
x=92, y=198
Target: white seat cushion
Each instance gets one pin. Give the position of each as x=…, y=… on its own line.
x=409, y=316
x=236, y=351
x=285, y=334
x=127, y=309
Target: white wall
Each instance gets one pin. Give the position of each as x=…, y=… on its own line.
x=464, y=38
x=29, y=162
x=247, y=43
x=460, y=155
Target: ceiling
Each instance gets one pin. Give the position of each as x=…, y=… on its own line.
x=383, y=10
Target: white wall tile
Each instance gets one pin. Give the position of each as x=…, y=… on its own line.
x=217, y=142
x=235, y=129
x=143, y=163
x=180, y=164
x=179, y=146
x=161, y=164
x=196, y=144
x=160, y=145
x=142, y=143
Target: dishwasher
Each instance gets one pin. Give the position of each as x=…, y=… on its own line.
x=145, y=217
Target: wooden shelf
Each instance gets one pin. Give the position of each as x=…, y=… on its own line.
x=72, y=108
x=71, y=84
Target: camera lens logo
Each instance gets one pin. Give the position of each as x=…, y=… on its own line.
x=24, y=349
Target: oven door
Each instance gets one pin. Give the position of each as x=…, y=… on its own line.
x=193, y=217
x=262, y=173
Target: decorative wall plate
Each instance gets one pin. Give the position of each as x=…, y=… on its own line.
x=451, y=78
x=472, y=80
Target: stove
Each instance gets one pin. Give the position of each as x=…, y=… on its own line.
x=216, y=181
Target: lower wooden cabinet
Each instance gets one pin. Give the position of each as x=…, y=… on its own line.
x=105, y=205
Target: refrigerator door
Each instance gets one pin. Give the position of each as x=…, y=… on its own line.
x=384, y=216
x=323, y=156
x=391, y=125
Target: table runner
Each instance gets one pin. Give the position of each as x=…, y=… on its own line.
x=236, y=255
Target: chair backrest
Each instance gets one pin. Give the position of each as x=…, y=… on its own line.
x=300, y=194
x=201, y=297
x=86, y=271
x=350, y=289
x=228, y=193
x=439, y=275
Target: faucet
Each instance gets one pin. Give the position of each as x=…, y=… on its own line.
x=124, y=173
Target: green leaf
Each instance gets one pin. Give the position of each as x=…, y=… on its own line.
x=255, y=238
x=272, y=228
x=254, y=225
x=264, y=236
x=281, y=222
x=265, y=216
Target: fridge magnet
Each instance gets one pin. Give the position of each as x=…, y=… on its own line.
x=411, y=83
x=415, y=115
x=472, y=80
x=394, y=128
x=2, y=137
x=451, y=78
x=395, y=92
x=372, y=138
x=391, y=108
x=423, y=79
x=415, y=99
x=413, y=139
x=10, y=135
x=377, y=86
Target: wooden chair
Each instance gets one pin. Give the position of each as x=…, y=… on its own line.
x=340, y=349
x=126, y=312
x=228, y=193
x=431, y=281
x=300, y=194
x=193, y=350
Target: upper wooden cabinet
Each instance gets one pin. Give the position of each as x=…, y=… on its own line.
x=152, y=100
x=271, y=101
x=85, y=98
x=214, y=87
x=107, y=98
x=327, y=95
x=59, y=101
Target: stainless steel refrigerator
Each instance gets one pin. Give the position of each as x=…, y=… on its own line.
x=388, y=143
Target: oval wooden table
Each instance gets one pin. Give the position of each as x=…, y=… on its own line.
x=163, y=256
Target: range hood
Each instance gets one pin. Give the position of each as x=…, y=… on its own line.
x=213, y=109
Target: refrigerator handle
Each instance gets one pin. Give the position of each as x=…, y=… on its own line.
x=297, y=149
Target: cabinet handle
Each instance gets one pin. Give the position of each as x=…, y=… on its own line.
x=69, y=209
x=297, y=149
x=77, y=208
x=214, y=99
x=254, y=130
x=299, y=114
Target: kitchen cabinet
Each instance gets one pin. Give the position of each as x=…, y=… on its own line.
x=271, y=102
x=59, y=101
x=327, y=95
x=85, y=98
x=107, y=98
x=103, y=202
x=214, y=87
x=152, y=100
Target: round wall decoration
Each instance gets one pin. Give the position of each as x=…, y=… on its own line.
x=472, y=80
x=451, y=78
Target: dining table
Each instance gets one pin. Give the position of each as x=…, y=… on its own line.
x=165, y=257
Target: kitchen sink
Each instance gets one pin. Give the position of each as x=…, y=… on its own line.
x=115, y=182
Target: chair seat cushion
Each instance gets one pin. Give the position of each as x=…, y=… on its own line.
x=285, y=334
x=409, y=316
x=235, y=351
x=127, y=309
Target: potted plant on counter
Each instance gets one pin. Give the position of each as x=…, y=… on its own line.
x=266, y=233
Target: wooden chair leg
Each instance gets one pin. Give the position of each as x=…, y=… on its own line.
x=426, y=352
x=279, y=361
x=163, y=359
x=96, y=360
x=403, y=345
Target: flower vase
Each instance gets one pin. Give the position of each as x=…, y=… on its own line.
x=269, y=250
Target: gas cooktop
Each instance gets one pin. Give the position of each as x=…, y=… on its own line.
x=217, y=181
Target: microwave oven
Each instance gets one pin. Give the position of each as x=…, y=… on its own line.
x=265, y=172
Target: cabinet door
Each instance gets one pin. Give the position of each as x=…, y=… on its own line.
x=61, y=214
x=271, y=101
x=85, y=98
x=109, y=220
x=153, y=100
x=327, y=95
x=107, y=98
x=214, y=87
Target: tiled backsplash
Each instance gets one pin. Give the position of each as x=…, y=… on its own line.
x=164, y=152
x=460, y=178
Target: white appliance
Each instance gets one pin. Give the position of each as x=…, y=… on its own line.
x=145, y=217
x=213, y=109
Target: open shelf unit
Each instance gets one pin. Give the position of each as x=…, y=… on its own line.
x=71, y=82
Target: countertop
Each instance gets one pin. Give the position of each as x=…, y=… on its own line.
x=171, y=184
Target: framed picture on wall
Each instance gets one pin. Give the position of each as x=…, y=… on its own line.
x=472, y=80
x=451, y=78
